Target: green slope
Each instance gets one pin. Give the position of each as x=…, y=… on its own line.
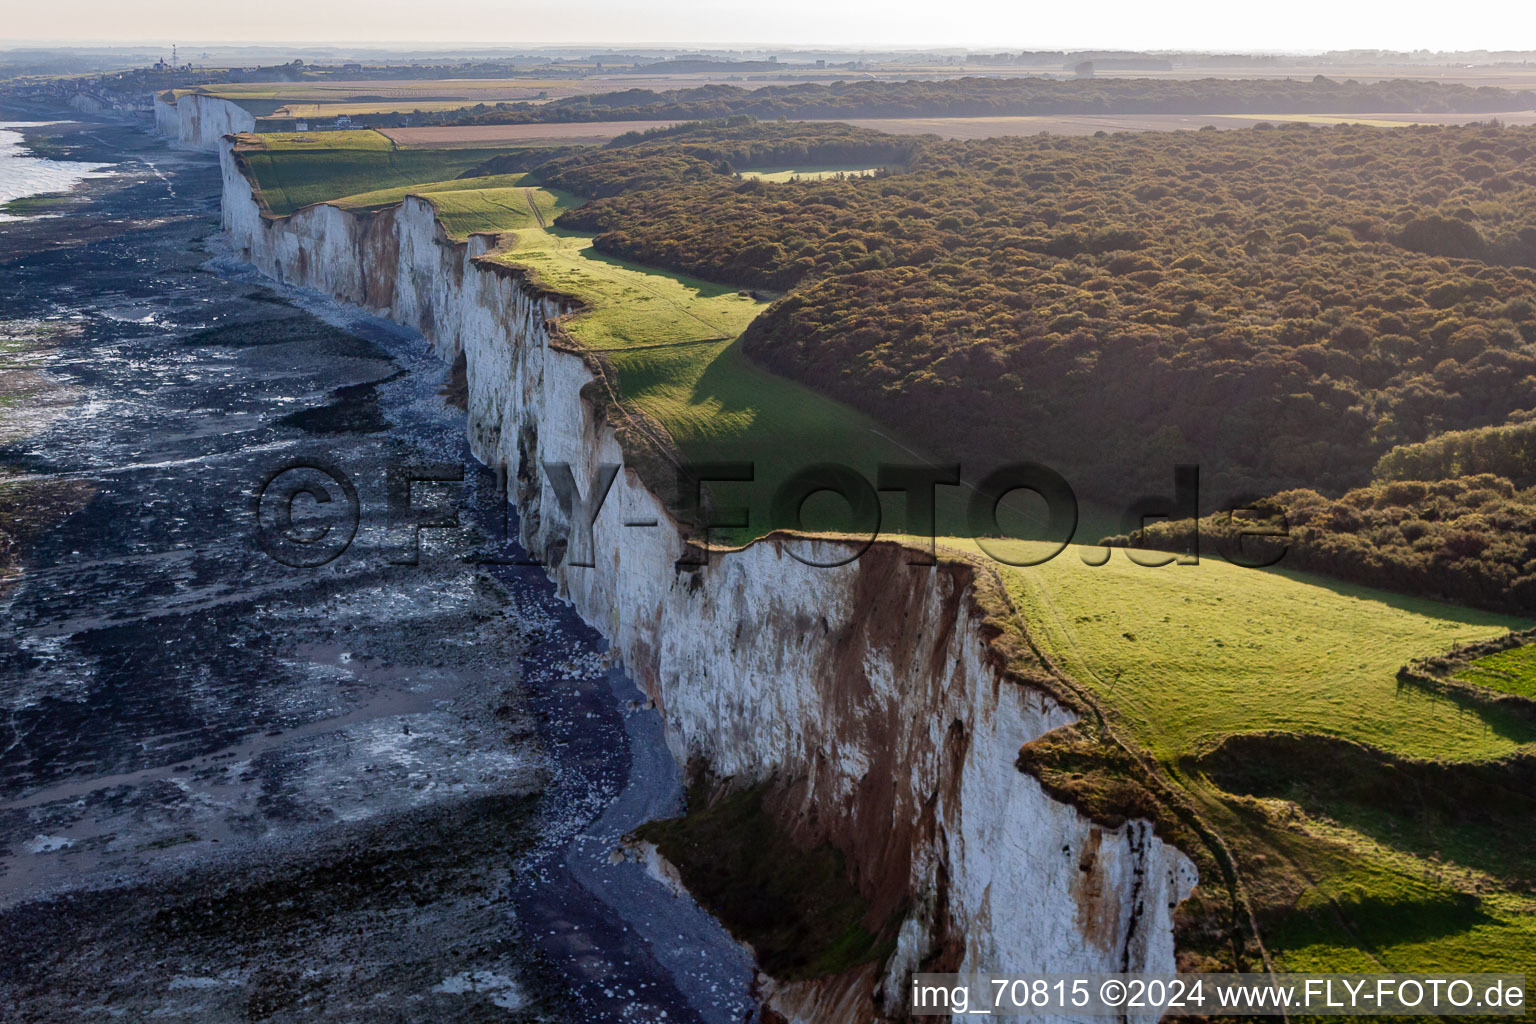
x=297, y=170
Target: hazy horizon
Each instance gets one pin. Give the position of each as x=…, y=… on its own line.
x=1308, y=26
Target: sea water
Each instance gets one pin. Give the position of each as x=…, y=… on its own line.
x=22, y=174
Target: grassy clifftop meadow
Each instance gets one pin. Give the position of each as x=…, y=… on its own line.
x=1337, y=320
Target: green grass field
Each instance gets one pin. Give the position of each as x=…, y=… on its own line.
x=362, y=139
x=1187, y=654
x=388, y=196
x=630, y=306
x=1512, y=671
x=294, y=170
x=466, y=206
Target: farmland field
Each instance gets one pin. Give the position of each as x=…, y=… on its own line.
x=332, y=97
x=1506, y=77
x=328, y=98
x=1188, y=654
x=517, y=88
x=334, y=90
x=594, y=132
x=408, y=93
x=347, y=97
x=400, y=106
x=302, y=142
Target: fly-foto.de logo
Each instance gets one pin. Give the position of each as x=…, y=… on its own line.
x=307, y=512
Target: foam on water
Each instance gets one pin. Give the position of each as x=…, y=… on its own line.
x=22, y=174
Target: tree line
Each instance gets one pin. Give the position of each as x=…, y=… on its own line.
x=1507, y=450
x=991, y=97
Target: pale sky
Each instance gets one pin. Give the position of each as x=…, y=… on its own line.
x=982, y=24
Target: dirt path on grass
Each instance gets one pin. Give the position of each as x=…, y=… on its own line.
x=533, y=208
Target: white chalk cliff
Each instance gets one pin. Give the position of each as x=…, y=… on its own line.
x=868, y=692
x=200, y=122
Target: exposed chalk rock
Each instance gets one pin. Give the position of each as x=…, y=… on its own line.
x=200, y=122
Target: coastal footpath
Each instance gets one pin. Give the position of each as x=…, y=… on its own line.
x=869, y=698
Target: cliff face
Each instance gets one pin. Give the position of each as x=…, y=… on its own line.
x=866, y=693
x=167, y=120
x=200, y=122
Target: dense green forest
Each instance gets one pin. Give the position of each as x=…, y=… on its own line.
x=981, y=97
x=1255, y=301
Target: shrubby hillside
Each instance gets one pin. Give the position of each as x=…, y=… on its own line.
x=1259, y=302
x=1453, y=517
x=712, y=151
